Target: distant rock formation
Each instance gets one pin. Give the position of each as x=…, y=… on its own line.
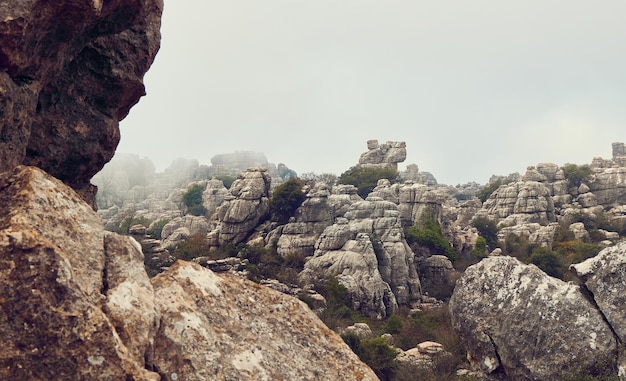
x=77, y=304
x=69, y=72
x=386, y=155
x=245, y=207
x=521, y=323
x=366, y=251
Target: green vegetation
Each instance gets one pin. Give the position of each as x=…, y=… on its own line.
x=193, y=200
x=194, y=246
x=366, y=179
x=487, y=229
x=286, y=198
x=488, y=189
x=227, y=180
x=155, y=228
x=428, y=234
x=266, y=263
x=130, y=220
x=480, y=250
x=408, y=330
x=577, y=174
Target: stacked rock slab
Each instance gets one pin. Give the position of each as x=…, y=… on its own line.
x=366, y=251
x=245, y=207
x=69, y=72
x=77, y=304
x=386, y=155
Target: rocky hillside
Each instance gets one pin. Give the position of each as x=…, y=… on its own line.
x=76, y=302
x=550, y=216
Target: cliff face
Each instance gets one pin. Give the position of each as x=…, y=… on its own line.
x=69, y=72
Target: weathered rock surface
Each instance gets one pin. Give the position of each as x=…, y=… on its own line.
x=386, y=155
x=245, y=207
x=77, y=304
x=368, y=254
x=520, y=202
x=282, y=338
x=60, y=309
x=517, y=321
x=312, y=217
x=604, y=276
x=69, y=72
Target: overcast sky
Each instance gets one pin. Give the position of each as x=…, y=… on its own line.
x=475, y=88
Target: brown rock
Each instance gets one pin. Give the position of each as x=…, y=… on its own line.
x=203, y=335
x=53, y=277
x=69, y=72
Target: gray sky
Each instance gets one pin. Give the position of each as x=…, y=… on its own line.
x=475, y=88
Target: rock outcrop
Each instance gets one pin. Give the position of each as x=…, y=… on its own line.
x=386, y=155
x=78, y=304
x=520, y=202
x=69, y=72
x=518, y=322
x=245, y=207
x=366, y=251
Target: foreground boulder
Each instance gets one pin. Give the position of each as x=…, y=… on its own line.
x=76, y=304
x=69, y=72
x=56, y=288
x=518, y=322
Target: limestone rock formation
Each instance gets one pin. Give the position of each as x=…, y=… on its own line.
x=386, y=155
x=206, y=313
x=368, y=254
x=517, y=321
x=245, y=207
x=312, y=217
x=604, y=276
x=69, y=72
x=66, y=287
x=78, y=304
x=520, y=202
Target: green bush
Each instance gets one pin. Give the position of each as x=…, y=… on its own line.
x=393, y=324
x=129, y=222
x=286, y=198
x=480, y=249
x=226, y=180
x=193, y=200
x=194, y=246
x=379, y=356
x=429, y=235
x=548, y=261
x=488, y=229
x=487, y=190
x=266, y=263
x=156, y=228
x=577, y=174
x=366, y=179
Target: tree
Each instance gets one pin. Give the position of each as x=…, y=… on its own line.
x=487, y=229
x=577, y=174
x=366, y=179
x=193, y=200
x=286, y=198
x=488, y=189
x=429, y=235
x=547, y=261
